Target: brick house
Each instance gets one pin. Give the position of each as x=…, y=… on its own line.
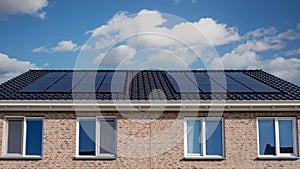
x=149, y=119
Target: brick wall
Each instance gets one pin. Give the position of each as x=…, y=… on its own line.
x=149, y=140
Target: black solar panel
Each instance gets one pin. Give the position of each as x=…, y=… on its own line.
x=63, y=82
x=66, y=83
x=208, y=88
x=113, y=82
x=90, y=82
x=44, y=82
x=253, y=84
x=233, y=82
x=181, y=83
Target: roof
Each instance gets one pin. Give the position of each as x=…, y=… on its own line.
x=146, y=85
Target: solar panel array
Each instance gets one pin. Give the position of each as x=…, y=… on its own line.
x=66, y=82
x=217, y=82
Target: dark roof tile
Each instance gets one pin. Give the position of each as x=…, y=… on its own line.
x=149, y=85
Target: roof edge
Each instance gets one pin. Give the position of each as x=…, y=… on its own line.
x=142, y=106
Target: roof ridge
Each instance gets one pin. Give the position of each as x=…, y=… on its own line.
x=147, y=70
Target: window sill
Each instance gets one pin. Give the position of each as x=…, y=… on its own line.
x=204, y=158
x=277, y=158
x=19, y=158
x=95, y=158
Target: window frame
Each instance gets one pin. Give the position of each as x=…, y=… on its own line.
x=203, y=138
x=97, y=136
x=24, y=135
x=277, y=140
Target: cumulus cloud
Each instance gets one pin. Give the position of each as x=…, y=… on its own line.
x=10, y=67
x=116, y=56
x=293, y=52
x=62, y=46
x=258, y=46
x=31, y=7
x=177, y=1
x=260, y=32
x=266, y=39
x=65, y=46
x=148, y=29
x=41, y=49
x=176, y=42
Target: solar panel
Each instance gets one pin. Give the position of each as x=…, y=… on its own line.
x=208, y=88
x=199, y=78
x=67, y=82
x=238, y=88
x=90, y=82
x=113, y=82
x=250, y=82
x=181, y=83
x=262, y=88
x=207, y=84
x=234, y=82
x=44, y=82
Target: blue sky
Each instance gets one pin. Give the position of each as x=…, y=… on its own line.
x=169, y=34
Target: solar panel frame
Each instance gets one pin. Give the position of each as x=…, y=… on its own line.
x=66, y=84
x=182, y=83
x=89, y=83
x=43, y=83
x=253, y=84
x=113, y=82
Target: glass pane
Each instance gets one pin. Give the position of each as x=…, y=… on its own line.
x=194, y=137
x=266, y=137
x=286, y=136
x=107, y=136
x=87, y=137
x=214, y=144
x=15, y=136
x=34, y=138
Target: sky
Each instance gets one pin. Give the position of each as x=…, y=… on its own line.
x=168, y=34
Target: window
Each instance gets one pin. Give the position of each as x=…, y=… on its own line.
x=24, y=137
x=277, y=137
x=203, y=137
x=97, y=137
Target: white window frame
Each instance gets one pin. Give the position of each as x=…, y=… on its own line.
x=24, y=130
x=97, y=130
x=277, y=141
x=203, y=138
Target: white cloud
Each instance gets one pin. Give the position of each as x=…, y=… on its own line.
x=46, y=64
x=62, y=46
x=177, y=44
x=258, y=46
x=217, y=33
x=298, y=26
x=10, y=67
x=260, y=32
x=65, y=46
x=266, y=39
x=177, y=1
x=32, y=7
x=117, y=55
x=42, y=15
x=288, y=35
x=292, y=52
x=41, y=49
x=146, y=29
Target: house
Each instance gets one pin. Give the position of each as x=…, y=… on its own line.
x=149, y=119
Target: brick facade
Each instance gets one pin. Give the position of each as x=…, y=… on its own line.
x=149, y=140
